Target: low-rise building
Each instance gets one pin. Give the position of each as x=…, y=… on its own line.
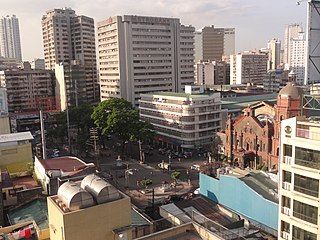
x=183, y=120
x=299, y=179
x=16, y=152
x=52, y=172
x=93, y=210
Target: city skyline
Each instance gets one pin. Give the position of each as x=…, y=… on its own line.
x=265, y=19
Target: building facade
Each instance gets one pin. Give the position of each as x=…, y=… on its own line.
x=291, y=31
x=183, y=120
x=10, y=45
x=253, y=139
x=299, y=180
x=140, y=54
x=212, y=43
x=248, y=67
x=297, y=57
x=275, y=80
x=274, y=48
x=212, y=73
x=68, y=37
x=29, y=90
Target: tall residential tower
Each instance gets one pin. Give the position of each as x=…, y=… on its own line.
x=139, y=54
x=10, y=46
x=68, y=37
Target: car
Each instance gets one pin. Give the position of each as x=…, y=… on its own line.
x=197, y=191
x=195, y=167
x=164, y=165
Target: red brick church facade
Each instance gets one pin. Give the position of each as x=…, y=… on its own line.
x=253, y=139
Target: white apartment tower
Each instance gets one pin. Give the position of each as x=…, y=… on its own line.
x=299, y=180
x=68, y=37
x=139, y=54
x=297, y=57
x=274, y=49
x=291, y=31
x=10, y=45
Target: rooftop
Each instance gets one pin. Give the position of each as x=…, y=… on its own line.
x=182, y=95
x=14, y=137
x=35, y=210
x=65, y=164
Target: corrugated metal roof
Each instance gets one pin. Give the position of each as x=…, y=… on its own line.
x=13, y=137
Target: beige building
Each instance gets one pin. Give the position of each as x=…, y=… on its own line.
x=299, y=179
x=139, y=54
x=92, y=210
x=274, y=49
x=16, y=152
x=28, y=89
x=183, y=120
x=248, y=67
x=68, y=37
x=212, y=43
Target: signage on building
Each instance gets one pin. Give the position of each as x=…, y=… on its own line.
x=287, y=130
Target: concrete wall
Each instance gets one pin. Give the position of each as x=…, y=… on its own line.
x=16, y=158
x=4, y=125
x=232, y=193
x=94, y=223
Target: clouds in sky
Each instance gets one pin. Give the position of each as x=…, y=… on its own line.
x=256, y=21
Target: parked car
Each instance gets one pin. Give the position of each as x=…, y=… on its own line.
x=195, y=167
x=164, y=165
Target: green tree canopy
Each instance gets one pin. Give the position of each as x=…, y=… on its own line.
x=175, y=175
x=103, y=109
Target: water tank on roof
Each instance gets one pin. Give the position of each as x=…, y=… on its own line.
x=101, y=190
x=74, y=197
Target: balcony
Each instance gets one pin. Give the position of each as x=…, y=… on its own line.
x=306, y=133
x=286, y=186
x=287, y=160
x=286, y=211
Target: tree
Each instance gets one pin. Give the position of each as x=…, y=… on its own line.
x=175, y=175
x=146, y=182
x=102, y=110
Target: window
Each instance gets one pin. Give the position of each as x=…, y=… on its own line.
x=285, y=226
x=286, y=202
x=287, y=150
x=287, y=176
x=306, y=185
x=299, y=233
x=305, y=212
x=307, y=157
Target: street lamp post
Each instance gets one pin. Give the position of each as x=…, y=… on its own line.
x=126, y=175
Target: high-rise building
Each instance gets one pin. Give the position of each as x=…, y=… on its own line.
x=139, y=54
x=299, y=179
x=248, y=67
x=29, y=89
x=10, y=46
x=297, y=57
x=291, y=31
x=38, y=63
x=212, y=43
x=68, y=37
x=274, y=49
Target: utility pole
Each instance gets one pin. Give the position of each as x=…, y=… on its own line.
x=43, y=137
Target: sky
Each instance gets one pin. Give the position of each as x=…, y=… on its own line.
x=255, y=21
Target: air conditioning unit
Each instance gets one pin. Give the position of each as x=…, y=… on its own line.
x=285, y=235
x=286, y=211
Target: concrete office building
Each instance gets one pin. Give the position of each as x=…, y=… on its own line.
x=212, y=43
x=274, y=49
x=299, y=179
x=212, y=73
x=68, y=37
x=297, y=57
x=248, y=67
x=10, y=46
x=38, y=64
x=139, y=54
x=93, y=210
x=291, y=31
x=28, y=89
x=183, y=120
